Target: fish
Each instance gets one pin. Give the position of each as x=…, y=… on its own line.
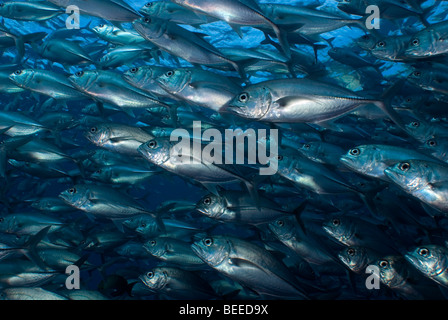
x=298, y=100
x=430, y=260
x=116, y=10
x=102, y=202
x=238, y=207
x=199, y=87
x=238, y=13
x=245, y=262
x=373, y=160
x=177, y=284
x=174, y=251
x=118, y=137
x=180, y=42
x=423, y=180
x=430, y=41
x=23, y=10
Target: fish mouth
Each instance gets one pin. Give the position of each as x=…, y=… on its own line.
x=346, y=161
x=392, y=175
x=411, y=259
x=198, y=250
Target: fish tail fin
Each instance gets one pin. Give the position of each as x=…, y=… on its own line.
x=30, y=251
x=282, y=37
x=391, y=113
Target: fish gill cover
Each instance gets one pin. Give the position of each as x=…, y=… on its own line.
x=225, y=149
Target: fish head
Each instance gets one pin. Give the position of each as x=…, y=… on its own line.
x=76, y=196
x=354, y=257
x=103, y=29
x=156, y=247
x=358, y=158
x=253, y=103
x=150, y=27
x=22, y=77
x=420, y=77
x=419, y=45
x=309, y=149
x=211, y=205
x=155, y=279
x=83, y=80
x=152, y=8
x=175, y=81
x=212, y=250
x=98, y=134
x=367, y=42
x=102, y=174
x=390, y=268
x=428, y=259
x=157, y=151
x=338, y=228
x=139, y=75
x=133, y=223
x=410, y=175
x=283, y=227
x=385, y=49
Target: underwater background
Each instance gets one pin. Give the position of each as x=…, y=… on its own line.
x=360, y=190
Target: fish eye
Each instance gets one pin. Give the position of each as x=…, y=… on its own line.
x=17, y=72
x=99, y=171
x=355, y=152
x=408, y=99
x=72, y=190
x=383, y=264
x=79, y=73
x=415, y=124
x=152, y=242
x=93, y=129
x=415, y=42
x=307, y=146
x=208, y=242
x=152, y=144
x=336, y=222
x=150, y=275
x=148, y=4
x=279, y=158
x=432, y=143
x=280, y=223
x=405, y=166
x=381, y=44
x=147, y=19
x=423, y=252
x=207, y=201
x=243, y=97
x=134, y=70
x=101, y=26
x=417, y=73
x=169, y=73
x=351, y=251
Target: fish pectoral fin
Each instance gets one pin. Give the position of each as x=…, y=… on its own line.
x=241, y=263
x=287, y=101
x=237, y=30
